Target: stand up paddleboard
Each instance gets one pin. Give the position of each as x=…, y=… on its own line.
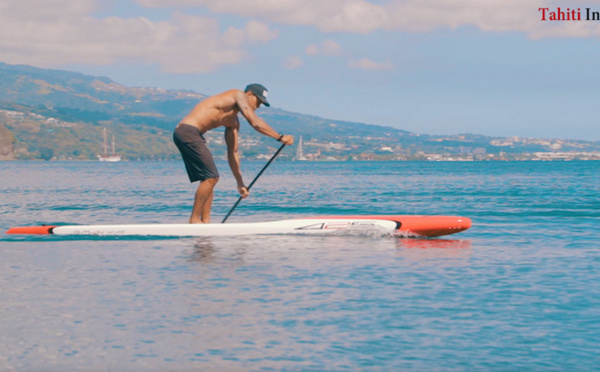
x=427, y=226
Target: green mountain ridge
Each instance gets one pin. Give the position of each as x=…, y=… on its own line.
x=54, y=114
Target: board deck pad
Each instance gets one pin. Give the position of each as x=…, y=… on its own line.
x=426, y=226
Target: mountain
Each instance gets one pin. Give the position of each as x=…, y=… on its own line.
x=78, y=97
x=48, y=114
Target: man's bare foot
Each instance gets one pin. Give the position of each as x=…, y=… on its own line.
x=194, y=220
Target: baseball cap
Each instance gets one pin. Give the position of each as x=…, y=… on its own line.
x=259, y=91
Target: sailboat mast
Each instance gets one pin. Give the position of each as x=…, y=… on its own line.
x=105, y=145
x=300, y=151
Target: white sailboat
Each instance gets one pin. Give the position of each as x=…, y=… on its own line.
x=300, y=151
x=113, y=157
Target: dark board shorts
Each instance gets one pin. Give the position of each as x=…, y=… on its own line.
x=198, y=160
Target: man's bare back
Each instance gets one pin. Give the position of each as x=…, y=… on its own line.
x=216, y=111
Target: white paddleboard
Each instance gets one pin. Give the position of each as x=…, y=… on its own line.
x=417, y=225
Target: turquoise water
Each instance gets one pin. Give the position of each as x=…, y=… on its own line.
x=518, y=291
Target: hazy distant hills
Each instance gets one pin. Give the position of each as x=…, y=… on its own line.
x=79, y=97
x=60, y=114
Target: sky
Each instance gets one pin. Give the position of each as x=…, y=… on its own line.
x=491, y=67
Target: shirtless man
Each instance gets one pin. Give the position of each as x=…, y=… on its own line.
x=213, y=112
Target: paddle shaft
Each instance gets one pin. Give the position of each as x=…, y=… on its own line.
x=253, y=181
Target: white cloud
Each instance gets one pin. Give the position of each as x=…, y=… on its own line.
x=331, y=15
x=368, y=64
x=260, y=32
x=327, y=48
x=331, y=48
x=312, y=50
x=293, y=62
x=47, y=10
x=362, y=16
x=50, y=33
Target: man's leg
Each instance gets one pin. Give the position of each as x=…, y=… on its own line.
x=207, y=207
x=203, y=201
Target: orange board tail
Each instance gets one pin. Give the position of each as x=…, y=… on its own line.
x=36, y=230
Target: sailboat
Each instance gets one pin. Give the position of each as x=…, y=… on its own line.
x=300, y=151
x=106, y=156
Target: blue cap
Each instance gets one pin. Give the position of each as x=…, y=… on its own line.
x=260, y=91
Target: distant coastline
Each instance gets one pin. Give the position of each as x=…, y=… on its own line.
x=60, y=115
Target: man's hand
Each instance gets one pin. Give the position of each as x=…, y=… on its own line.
x=287, y=139
x=243, y=190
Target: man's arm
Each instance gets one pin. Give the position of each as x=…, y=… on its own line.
x=231, y=139
x=257, y=123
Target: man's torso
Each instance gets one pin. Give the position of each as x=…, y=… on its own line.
x=216, y=111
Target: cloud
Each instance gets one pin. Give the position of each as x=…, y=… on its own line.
x=51, y=33
x=331, y=15
x=327, y=48
x=362, y=16
x=331, y=48
x=293, y=62
x=312, y=50
x=260, y=32
x=368, y=64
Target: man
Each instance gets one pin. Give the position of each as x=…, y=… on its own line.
x=219, y=111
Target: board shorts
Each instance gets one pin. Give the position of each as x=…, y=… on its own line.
x=198, y=160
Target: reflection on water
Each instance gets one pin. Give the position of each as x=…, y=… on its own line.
x=203, y=251
x=208, y=250
x=434, y=243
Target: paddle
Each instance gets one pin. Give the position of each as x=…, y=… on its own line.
x=252, y=183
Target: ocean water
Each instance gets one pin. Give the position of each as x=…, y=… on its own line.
x=519, y=291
